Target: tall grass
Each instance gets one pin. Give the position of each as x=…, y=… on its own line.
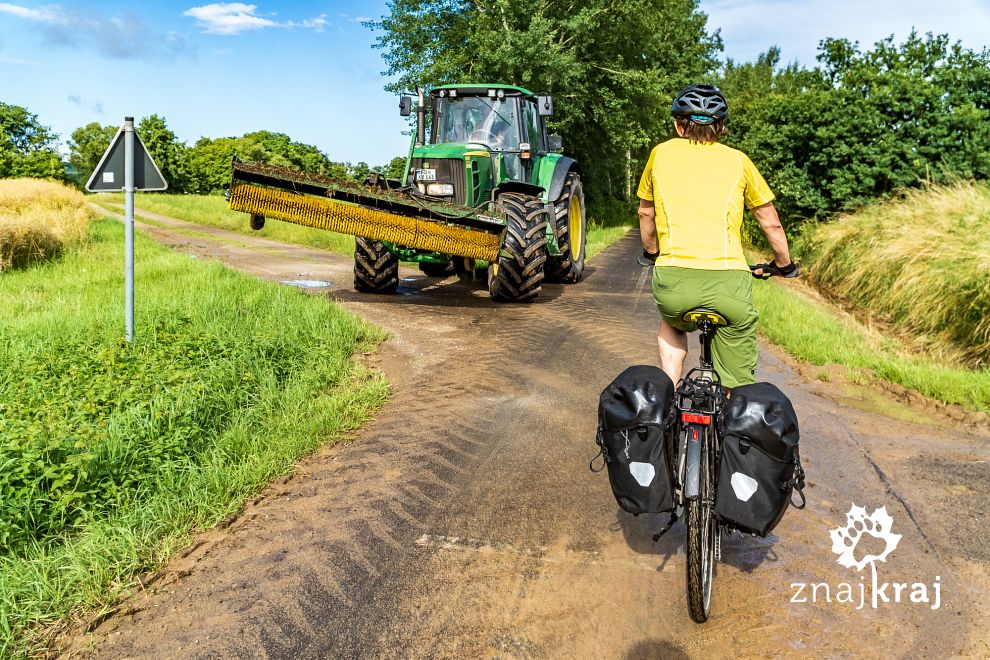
x=114, y=453
x=38, y=220
x=920, y=263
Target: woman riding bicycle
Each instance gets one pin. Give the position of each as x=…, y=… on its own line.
x=692, y=194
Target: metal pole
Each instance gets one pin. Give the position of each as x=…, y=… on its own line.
x=129, y=223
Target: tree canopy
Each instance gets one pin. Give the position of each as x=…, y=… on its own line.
x=86, y=147
x=27, y=148
x=864, y=123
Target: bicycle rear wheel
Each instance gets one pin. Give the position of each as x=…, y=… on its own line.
x=702, y=537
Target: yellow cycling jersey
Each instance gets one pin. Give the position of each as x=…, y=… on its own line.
x=698, y=189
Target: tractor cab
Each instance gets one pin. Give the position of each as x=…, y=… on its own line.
x=472, y=140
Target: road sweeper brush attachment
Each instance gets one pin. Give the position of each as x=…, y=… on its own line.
x=376, y=213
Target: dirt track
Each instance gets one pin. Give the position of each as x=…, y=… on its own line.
x=463, y=520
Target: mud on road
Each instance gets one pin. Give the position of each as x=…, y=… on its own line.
x=463, y=520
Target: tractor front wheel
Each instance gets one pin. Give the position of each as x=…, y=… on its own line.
x=376, y=270
x=570, y=226
x=517, y=274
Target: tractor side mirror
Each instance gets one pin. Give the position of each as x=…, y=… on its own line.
x=544, y=105
x=555, y=143
x=405, y=106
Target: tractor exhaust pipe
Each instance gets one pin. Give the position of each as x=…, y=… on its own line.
x=420, y=119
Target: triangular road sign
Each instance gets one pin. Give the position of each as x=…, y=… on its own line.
x=109, y=174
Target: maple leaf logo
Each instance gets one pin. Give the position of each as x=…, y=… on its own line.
x=877, y=525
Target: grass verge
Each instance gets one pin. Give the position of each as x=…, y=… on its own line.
x=113, y=453
x=211, y=210
x=606, y=224
x=815, y=332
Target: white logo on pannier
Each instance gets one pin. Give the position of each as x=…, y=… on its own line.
x=743, y=486
x=643, y=473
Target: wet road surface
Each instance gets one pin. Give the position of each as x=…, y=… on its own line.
x=463, y=520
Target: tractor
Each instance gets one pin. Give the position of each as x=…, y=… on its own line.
x=484, y=188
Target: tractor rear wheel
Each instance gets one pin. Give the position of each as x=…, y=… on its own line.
x=517, y=274
x=376, y=270
x=570, y=226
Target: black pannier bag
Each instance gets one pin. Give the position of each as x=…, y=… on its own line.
x=760, y=465
x=633, y=418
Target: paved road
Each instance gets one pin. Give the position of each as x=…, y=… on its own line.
x=463, y=520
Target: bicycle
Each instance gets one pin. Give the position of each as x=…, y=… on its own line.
x=700, y=400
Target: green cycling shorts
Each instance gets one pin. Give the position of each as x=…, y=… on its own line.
x=730, y=293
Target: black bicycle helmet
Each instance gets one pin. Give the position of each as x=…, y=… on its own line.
x=702, y=104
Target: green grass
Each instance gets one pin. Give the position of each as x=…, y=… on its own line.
x=113, y=454
x=816, y=333
x=211, y=210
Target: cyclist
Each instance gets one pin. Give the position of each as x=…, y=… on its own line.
x=692, y=194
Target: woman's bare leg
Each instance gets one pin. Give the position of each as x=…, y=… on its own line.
x=673, y=350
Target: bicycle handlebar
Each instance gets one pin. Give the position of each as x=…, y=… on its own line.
x=766, y=270
x=769, y=270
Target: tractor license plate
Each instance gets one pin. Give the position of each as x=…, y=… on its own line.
x=426, y=175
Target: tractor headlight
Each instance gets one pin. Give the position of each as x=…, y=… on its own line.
x=440, y=189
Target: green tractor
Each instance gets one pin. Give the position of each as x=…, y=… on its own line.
x=484, y=188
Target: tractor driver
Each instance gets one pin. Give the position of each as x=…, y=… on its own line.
x=692, y=195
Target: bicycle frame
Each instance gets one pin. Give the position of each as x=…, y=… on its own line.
x=699, y=401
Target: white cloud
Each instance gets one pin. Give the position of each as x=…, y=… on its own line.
x=44, y=15
x=228, y=18
x=122, y=36
x=317, y=23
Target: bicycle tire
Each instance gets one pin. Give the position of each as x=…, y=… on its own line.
x=702, y=532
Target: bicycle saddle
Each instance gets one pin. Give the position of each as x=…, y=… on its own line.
x=704, y=314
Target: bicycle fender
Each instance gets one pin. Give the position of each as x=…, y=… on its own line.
x=692, y=463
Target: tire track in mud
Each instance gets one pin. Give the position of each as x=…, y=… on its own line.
x=463, y=521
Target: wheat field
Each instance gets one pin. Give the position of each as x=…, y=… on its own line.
x=38, y=220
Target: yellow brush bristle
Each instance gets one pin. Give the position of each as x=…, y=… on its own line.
x=347, y=218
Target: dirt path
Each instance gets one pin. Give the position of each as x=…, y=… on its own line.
x=463, y=521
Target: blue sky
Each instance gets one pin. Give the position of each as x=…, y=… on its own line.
x=308, y=69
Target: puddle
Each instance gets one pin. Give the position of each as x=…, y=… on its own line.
x=307, y=284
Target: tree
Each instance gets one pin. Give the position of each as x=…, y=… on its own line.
x=166, y=150
x=612, y=65
x=27, y=148
x=86, y=146
x=395, y=168
x=208, y=161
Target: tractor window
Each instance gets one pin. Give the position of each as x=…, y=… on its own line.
x=490, y=121
x=531, y=122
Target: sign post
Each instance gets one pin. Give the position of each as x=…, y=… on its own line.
x=127, y=166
